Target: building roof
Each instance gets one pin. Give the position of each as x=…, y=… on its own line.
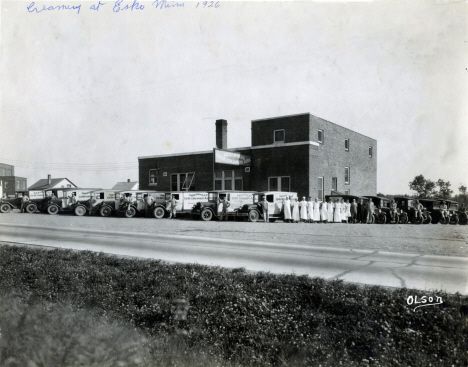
x=43, y=184
x=124, y=186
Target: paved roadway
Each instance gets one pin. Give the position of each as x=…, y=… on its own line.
x=425, y=272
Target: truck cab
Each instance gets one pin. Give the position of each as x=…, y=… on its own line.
x=253, y=212
x=131, y=203
x=381, y=209
x=211, y=209
x=186, y=200
x=35, y=197
x=60, y=200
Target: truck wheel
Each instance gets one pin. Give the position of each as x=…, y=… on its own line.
x=105, y=211
x=5, y=208
x=403, y=218
x=52, y=209
x=159, y=212
x=428, y=219
x=253, y=216
x=382, y=218
x=31, y=208
x=444, y=221
x=463, y=219
x=80, y=210
x=206, y=215
x=272, y=220
x=417, y=220
x=454, y=219
x=130, y=212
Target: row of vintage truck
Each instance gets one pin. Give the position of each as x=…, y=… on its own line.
x=206, y=205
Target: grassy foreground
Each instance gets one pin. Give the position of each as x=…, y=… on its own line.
x=121, y=309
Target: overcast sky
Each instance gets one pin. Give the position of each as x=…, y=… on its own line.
x=96, y=89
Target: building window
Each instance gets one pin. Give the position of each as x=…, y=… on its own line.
x=24, y=185
x=346, y=175
x=347, y=192
x=370, y=152
x=346, y=145
x=334, y=184
x=279, y=136
x=229, y=180
x=183, y=181
x=17, y=184
x=279, y=183
x=320, y=188
x=320, y=136
x=3, y=171
x=68, y=185
x=153, y=178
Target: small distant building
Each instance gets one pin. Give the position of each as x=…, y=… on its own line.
x=10, y=183
x=52, y=183
x=125, y=186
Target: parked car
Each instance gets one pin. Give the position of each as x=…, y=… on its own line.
x=59, y=200
x=453, y=213
x=35, y=197
x=462, y=215
x=186, y=200
x=345, y=197
x=252, y=212
x=137, y=205
x=381, y=210
x=210, y=209
x=407, y=213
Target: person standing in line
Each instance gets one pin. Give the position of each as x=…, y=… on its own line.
x=337, y=216
x=295, y=211
x=310, y=210
x=316, y=210
x=148, y=205
x=362, y=211
x=353, y=210
x=370, y=212
x=24, y=203
x=393, y=210
x=343, y=211
x=348, y=210
x=263, y=207
x=331, y=210
x=287, y=210
x=91, y=203
x=224, y=208
x=324, y=212
x=303, y=206
x=172, y=206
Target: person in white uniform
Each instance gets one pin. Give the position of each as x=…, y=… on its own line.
x=331, y=209
x=310, y=210
x=324, y=211
x=287, y=210
x=295, y=211
x=348, y=210
x=303, y=206
x=316, y=210
x=337, y=217
x=344, y=218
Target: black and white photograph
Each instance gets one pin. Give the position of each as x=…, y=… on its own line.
x=233, y=183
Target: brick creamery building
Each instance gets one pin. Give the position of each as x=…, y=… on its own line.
x=300, y=153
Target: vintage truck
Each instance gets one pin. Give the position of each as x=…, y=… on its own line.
x=211, y=209
x=136, y=206
x=186, y=200
x=252, y=212
x=35, y=198
x=381, y=210
x=60, y=200
x=453, y=213
x=405, y=206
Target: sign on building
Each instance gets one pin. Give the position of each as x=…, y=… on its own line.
x=232, y=158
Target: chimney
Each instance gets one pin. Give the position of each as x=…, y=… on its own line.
x=221, y=134
x=49, y=179
x=128, y=180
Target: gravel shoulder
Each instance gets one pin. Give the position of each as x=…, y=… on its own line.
x=421, y=239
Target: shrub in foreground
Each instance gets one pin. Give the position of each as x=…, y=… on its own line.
x=248, y=319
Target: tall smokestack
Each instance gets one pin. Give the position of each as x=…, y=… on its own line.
x=221, y=134
x=49, y=179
